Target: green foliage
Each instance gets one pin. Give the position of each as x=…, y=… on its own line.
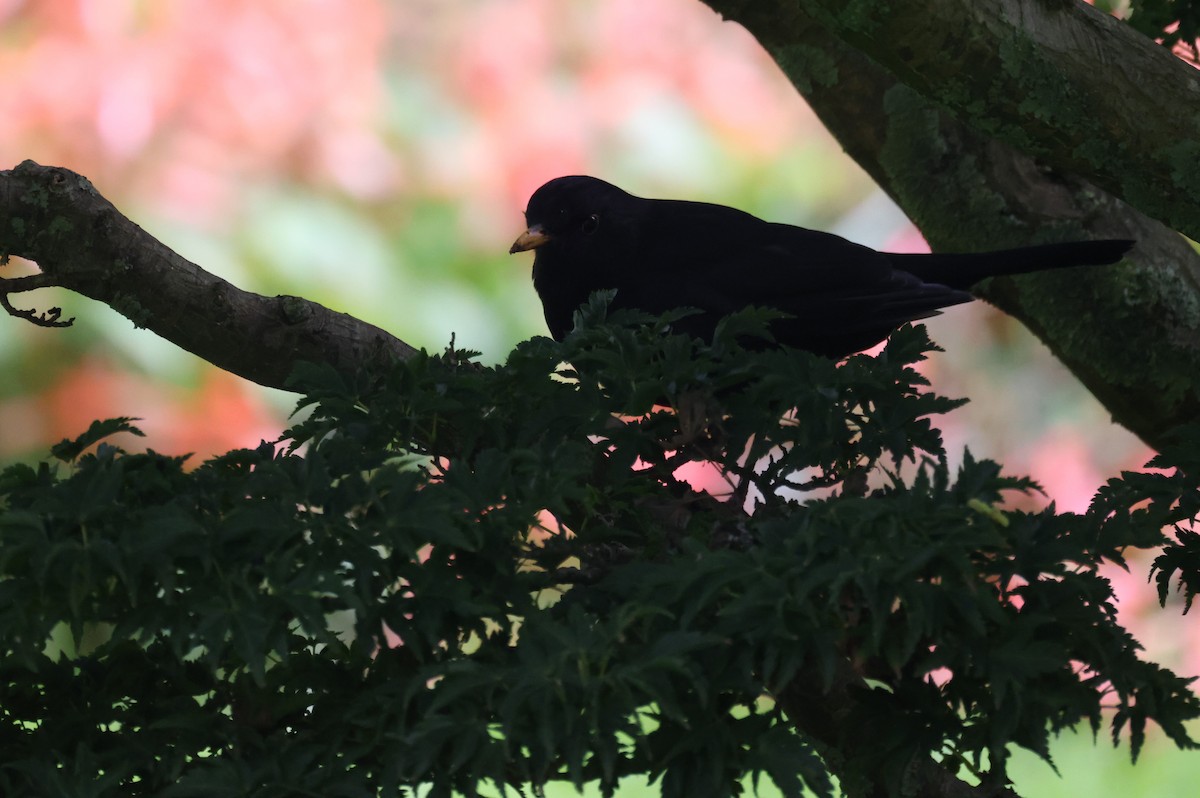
x=1170, y=21
x=393, y=598
x=1168, y=498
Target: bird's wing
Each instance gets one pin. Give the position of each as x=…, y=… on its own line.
x=720, y=259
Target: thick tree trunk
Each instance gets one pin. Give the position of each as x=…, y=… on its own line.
x=965, y=85
x=1055, y=79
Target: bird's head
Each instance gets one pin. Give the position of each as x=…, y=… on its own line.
x=585, y=233
x=569, y=212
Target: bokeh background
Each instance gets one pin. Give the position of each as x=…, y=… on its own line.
x=376, y=157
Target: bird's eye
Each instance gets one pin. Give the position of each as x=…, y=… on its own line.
x=590, y=224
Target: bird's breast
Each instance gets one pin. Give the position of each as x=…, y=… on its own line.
x=562, y=284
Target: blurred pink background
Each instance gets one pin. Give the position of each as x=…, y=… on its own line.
x=376, y=157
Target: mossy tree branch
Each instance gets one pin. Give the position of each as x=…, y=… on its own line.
x=57, y=219
x=1058, y=80
x=1131, y=334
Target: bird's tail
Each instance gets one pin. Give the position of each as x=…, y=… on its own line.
x=961, y=271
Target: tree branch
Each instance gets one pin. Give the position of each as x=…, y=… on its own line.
x=15, y=285
x=1131, y=335
x=57, y=219
x=1060, y=81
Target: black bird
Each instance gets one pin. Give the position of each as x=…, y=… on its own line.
x=665, y=254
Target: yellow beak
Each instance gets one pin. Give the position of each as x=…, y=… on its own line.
x=532, y=238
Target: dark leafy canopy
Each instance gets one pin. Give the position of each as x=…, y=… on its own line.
x=225, y=626
x=1173, y=22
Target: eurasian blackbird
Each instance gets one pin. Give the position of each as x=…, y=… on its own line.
x=660, y=255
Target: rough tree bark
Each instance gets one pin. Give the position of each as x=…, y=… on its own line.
x=57, y=219
x=1055, y=79
x=992, y=125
